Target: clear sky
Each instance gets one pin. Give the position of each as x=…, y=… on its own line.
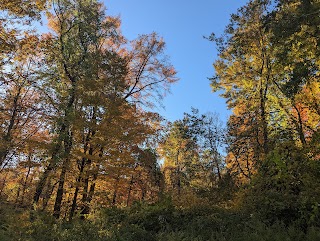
x=182, y=24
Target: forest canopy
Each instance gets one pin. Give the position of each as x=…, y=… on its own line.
x=83, y=149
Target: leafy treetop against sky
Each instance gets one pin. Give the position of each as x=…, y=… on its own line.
x=182, y=24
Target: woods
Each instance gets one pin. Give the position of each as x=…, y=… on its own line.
x=83, y=149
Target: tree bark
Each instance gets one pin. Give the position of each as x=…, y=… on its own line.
x=65, y=166
x=7, y=138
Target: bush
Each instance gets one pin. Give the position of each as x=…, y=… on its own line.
x=143, y=222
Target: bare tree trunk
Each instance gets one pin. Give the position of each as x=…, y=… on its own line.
x=86, y=209
x=129, y=191
x=87, y=200
x=300, y=126
x=52, y=165
x=264, y=120
x=115, y=192
x=179, y=181
x=65, y=166
x=76, y=192
x=214, y=149
x=48, y=195
x=60, y=191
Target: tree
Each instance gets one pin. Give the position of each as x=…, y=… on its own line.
x=268, y=69
x=191, y=150
x=86, y=115
x=245, y=71
x=96, y=84
x=81, y=32
x=295, y=37
x=20, y=101
x=149, y=72
x=21, y=114
x=209, y=132
x=23, y=9
x=179, y=152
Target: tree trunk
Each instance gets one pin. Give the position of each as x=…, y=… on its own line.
x=65, y=166
x=75, y=197
x=60, y=191
x=300, y=126
x=115, y=192
x=52, y=165
x=82, y=166
x=48, y=195
x=7, y=138
x=24, y=187
x=264, y=120
x=86, y=209
x=62, y=135
x=89, y=196
x=130, y=189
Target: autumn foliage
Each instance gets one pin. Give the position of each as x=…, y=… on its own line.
x=83, y=150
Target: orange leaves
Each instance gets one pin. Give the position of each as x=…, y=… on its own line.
x=76, y=97
x=150, y=75
x=19, y=100
x=22, y=8
x=53, y=23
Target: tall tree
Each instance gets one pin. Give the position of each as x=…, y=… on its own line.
x=149, y=72
x=268, y=68
x=179, y=151
x=20, y=101
x=81, y=32
x=191, y=150
x=245, y=70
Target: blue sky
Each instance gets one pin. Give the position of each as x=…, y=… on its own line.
x=182, y=24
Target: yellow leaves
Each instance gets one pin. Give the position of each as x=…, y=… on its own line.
x=71, y=85
x=21, y=8
x=113, y=21
x=150, y=75
x=52, y=22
